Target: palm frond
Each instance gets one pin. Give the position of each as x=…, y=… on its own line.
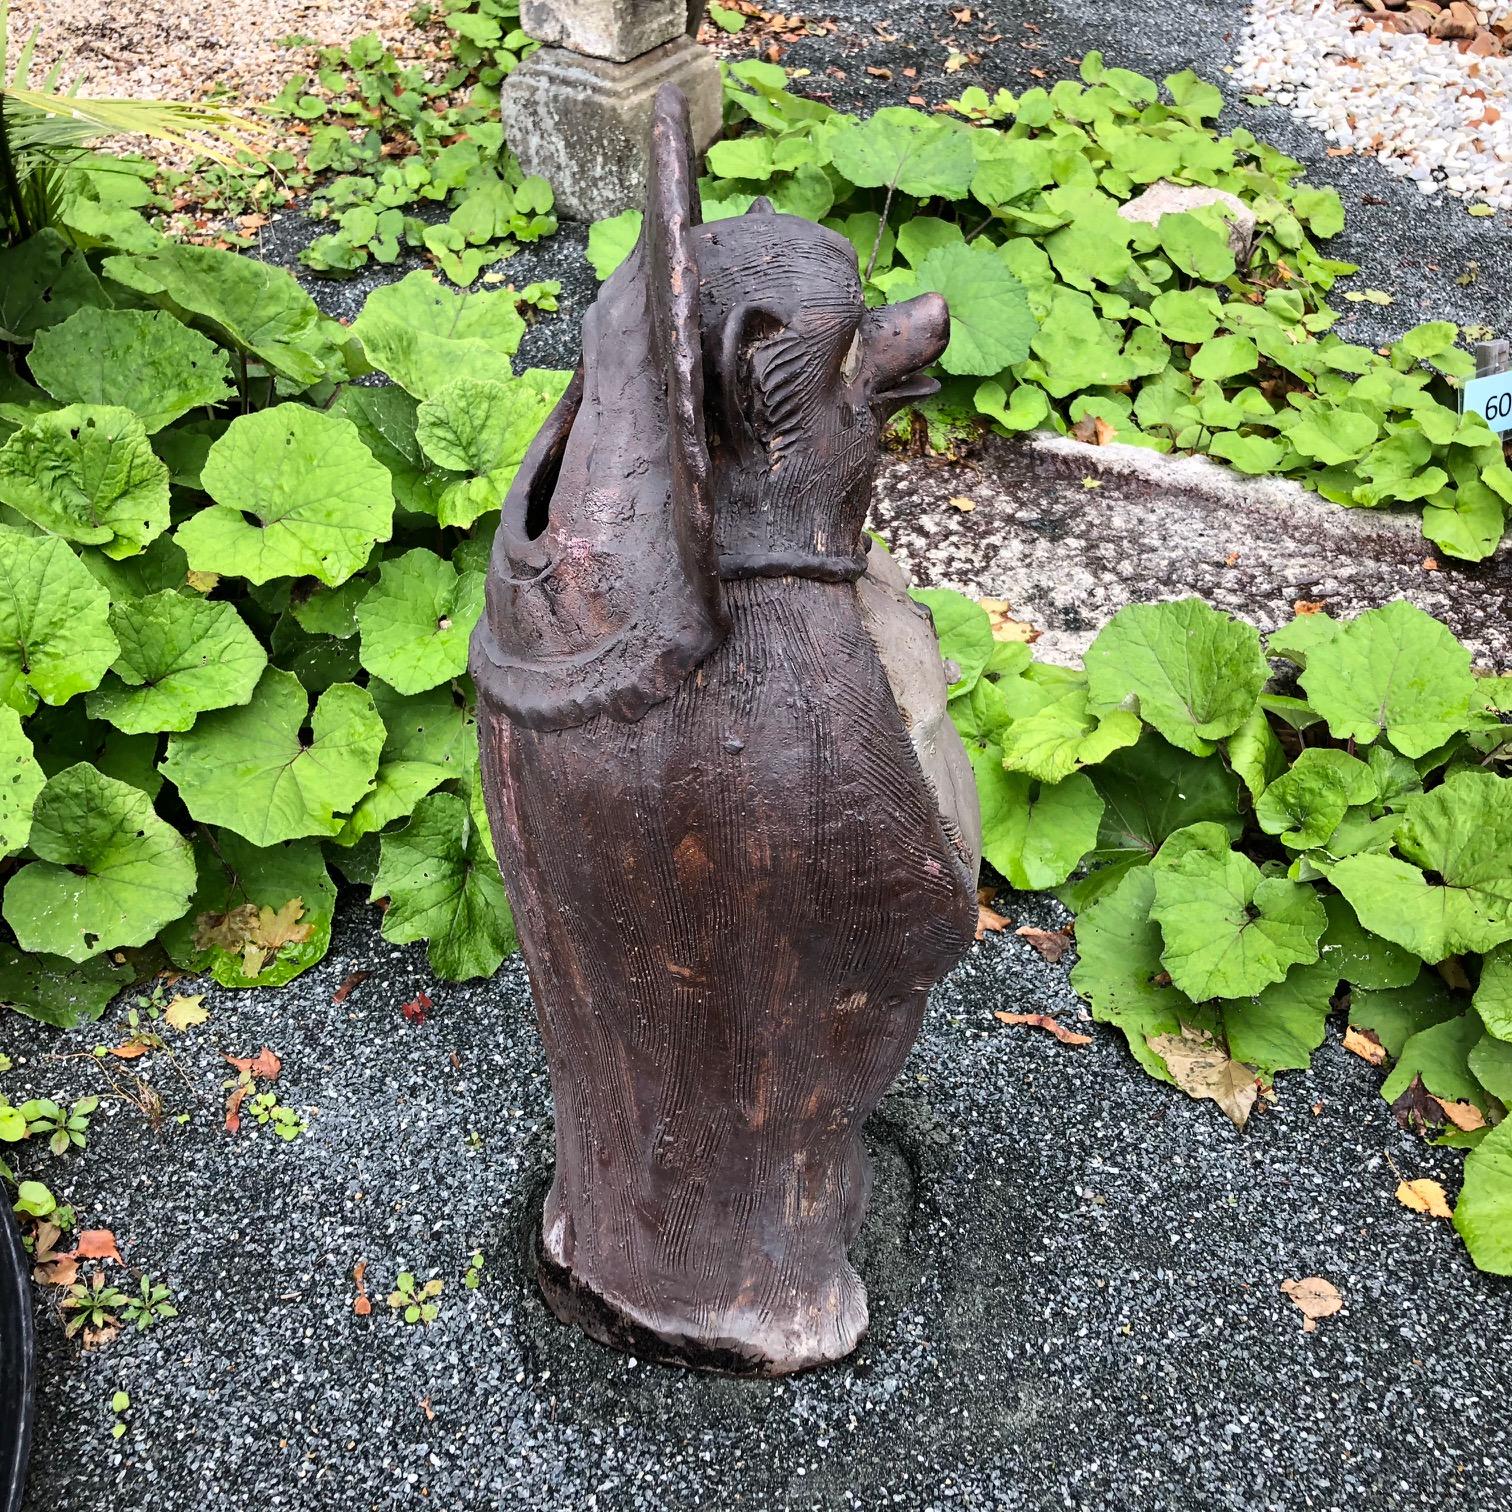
x=70, y=120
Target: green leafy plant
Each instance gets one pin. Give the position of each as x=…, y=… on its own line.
x=149, y=1305
x=415, y=1301
x=472, y=1278
x=120, y=1403
x=1069, y=316
x=266, y=1109
x=92, y=1304
x=43, y=133
x=64, y=1128
x=390, y=149
x=1243, y=859
x=237, y=589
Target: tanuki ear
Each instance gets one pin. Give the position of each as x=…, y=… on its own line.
x=603, y=592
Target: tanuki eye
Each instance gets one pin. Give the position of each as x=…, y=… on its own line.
x=851, y=365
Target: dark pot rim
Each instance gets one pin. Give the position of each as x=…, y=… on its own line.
x=18, y=1361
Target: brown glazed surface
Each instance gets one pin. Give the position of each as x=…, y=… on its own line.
x=733, y=882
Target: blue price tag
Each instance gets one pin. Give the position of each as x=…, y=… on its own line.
x=1492, y=397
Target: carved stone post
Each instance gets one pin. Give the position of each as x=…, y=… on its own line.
x=738, y=831
x=576, y=111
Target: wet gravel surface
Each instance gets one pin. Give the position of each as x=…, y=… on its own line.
x=1074, y=1271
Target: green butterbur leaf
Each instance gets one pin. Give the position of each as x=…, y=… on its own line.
x=141, y=360
x=1304, y=805
x=416, y=621
x=1151, y=790
x=424, y=336
x=1439, y=1054
x=319, y=500
x=1278, y=1028
x=1119, y=971
x=1360, y=958
x=1188, y=670
x=179, y=657
x=247, y=305
x=1483, y=1215
x=87, y=473
x=443, y=886
x=908, y=150
x=21, y=779
x=1396, y=1014
x=55, y=636
x=480, y=427
x=990, y=320
x=1462, y=832
x=54, y=990
x=1493, y=997
x=109, y=872
x=1393, y=671
x=251, y=769
x=1034, y=833
x=964, y=632
x=1229, y=931
x=386, y=419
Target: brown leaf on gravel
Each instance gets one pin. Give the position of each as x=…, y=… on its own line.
x=1052, y=944
x=990, y=922
x=1424, y=1196
x=361, y=1304
x=1464, y=1116
x=1004, y=626
x=62, y=1271
x=1044, y=1021
x=233, y=1106
x=98, y=1338
x=97, y=1244
x=1309, y=606
x=1202, y=1068
x=265, y=1065
x=1362, y=1042
x=349, y=984
x=131, y=1050
x=1315, y=1298
x=185, y=1011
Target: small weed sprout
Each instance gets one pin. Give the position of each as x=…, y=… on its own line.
x=473, y=1278
x=150, y=1305
x=118, y=1405
x=63, y=1129
x=93, y=1304
x=417, y=1304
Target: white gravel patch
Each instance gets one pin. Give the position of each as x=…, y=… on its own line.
x=1429, y=112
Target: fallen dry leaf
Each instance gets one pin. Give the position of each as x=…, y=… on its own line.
x=1463, y=1115
x=1362, y=1042
x=258, y=933
x=1094, y=430
x=1052, y=944
x=989, y=922
x=97, y=1244
x=1309, y=606
x=349, y=984
x=233, y=1106
x=185, y=1011
x=1044, y=1021
x=1201, y=1067
x=418, y=1008
x=961, y=502
x=1417, y=1109
x=1424, y=1196
x=265, y=1064
x=361, y=1304
x=427, y=1409
x=131, y=1050
x=1004, y=626
x=1315, y=1297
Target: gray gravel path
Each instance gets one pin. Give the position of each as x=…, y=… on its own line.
x=1075, y=1277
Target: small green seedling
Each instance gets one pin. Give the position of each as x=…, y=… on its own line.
x=33, y=1200
x=284, y=1122
x=118, y=1405
x=473, y=1278
x=44, y=1116
x=417, y=1303
x=93, y=1304
x=151, y=1305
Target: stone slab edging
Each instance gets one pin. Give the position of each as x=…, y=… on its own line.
x=1068, y=533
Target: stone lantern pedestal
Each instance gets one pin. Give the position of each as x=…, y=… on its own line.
x=577, y=110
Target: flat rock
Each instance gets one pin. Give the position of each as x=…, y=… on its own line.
x=1069, y=533
x=1166, y=198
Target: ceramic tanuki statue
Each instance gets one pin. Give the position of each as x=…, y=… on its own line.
x=738, y=832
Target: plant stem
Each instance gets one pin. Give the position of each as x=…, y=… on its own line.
x=11, y=182
x=871, y=262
